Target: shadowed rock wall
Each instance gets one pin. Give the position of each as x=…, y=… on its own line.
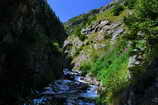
x=31, y=39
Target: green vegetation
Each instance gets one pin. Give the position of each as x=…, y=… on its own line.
x=130, y=3
x=31, y=49
x=110, y=65
x=111, y=69
x=144, y=20
x=117, y=9
x=74, y=25
x=147, y=9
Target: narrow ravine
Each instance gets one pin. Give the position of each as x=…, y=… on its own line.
x=73, y=89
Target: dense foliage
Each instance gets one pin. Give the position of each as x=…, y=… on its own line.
x=117, y=9
x=144, y=19
x=147, y=9
x=130, y=3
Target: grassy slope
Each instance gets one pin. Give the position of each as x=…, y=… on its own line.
x=108, y=64
x=111, y=69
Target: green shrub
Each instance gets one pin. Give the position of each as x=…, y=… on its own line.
x=147, y=8
x=130, y=3
x=117, y=9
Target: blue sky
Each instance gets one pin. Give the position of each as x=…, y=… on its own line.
x=66, y=9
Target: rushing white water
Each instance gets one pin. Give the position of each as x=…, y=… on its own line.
x=91, y=92
x=76, y=91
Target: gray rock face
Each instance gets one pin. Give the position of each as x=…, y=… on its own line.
x=95, y=27
x=132, y=61
x=86, y=31
x=102, y=30
x=115, y=25
x=116, y=33
x=102, y=26
x=112, y=30
x=72, y=45
x=136, y=60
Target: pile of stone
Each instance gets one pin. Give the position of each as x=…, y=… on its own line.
x=110, y=29
x=95, y=27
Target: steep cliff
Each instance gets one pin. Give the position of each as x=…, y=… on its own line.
x=31, y=38
x=117, y=44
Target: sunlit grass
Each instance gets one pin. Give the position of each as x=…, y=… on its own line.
x=108, y=15
x=111, y=69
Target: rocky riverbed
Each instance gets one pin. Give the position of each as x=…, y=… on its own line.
x=72, y=89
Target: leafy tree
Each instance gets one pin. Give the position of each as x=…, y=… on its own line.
x=130, y=3
x=147, y=8
x=117, y=9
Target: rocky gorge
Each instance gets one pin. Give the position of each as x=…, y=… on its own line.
x=96, y=34
x=107, y=56
x=117, y=45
